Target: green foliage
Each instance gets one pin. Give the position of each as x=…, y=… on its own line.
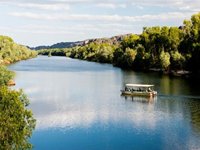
x=16, y=121
x=157, y=47
x=104, y=53
x=49, y=55
x=177, y=60
x=124, y=58
x=99, y=52
x=142, y=59
x=52, y=52
x=5, y=75
x=118, y=59
x=11, y=52
x=129, y=55
x=130, y=41
x=165, y=60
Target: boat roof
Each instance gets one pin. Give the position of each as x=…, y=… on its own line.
x=139, y=85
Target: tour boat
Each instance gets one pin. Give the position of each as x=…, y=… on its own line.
x=139, y=90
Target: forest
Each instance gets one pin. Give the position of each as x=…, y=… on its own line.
x=11, y=52
x=167, y=49
x=16, y=120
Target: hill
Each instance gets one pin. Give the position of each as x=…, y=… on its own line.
x=112, y=40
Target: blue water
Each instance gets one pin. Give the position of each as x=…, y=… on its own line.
x=78, y=105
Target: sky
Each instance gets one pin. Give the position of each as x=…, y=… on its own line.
x=46, y=22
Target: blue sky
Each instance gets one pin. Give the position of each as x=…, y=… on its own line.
x=45, y=22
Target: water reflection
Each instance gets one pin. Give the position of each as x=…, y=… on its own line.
x=194, y=110
x=64, y=102
x=82, y=99
x=141, y=99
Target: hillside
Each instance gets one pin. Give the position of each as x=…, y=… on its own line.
x=112, y=40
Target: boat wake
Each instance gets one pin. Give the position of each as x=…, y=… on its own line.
x=179, y=96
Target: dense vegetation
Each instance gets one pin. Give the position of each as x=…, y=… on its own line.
x=157, y=48
x=16, y=121
x=11, y=52
x=5, y=75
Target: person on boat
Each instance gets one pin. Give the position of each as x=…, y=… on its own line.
x=126, y=89
x=149, y=90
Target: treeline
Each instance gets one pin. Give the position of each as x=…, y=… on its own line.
x=53, y=52
x=98, y=52
x=11, y=52
x=162, y=48
x=16, y=120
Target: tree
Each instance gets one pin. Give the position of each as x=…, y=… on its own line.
x=130, y=41
x=11, y=52
x=16, y=121
x=129, y=56
x=195, y=59
x=118, y=59
x=177, y=60
x=104, y=53
x=195, y=19
x=5, y=75
x=142, y=59
x=164, y=60
x=49, y=55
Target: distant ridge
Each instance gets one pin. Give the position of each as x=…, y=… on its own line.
x=112, y=40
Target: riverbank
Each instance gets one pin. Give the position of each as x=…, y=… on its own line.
x=16, y=120
x=174, y=73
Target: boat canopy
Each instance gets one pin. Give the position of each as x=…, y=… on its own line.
x=139, y=85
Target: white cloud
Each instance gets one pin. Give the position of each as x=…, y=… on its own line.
x=44, y=6
x=75, y=19
x=80, y=29
x=140, y=2
x=72, y=1
x=104, y=18
x=111, y=5
x=176, y=4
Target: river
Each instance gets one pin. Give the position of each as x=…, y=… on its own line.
x=78, y=105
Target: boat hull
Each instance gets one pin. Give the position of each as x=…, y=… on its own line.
x=135, y=93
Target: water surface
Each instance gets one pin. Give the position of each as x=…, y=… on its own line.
x=78, y=105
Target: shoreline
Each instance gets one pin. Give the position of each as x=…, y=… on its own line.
x=173, y=73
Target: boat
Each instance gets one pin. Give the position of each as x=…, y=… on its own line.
x=145, y=90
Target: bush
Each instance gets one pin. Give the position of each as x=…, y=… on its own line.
x=5, y=75
x=16, y=122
